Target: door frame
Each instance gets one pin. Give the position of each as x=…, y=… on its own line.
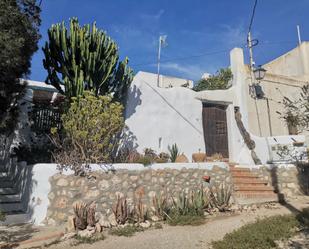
x=213, y=129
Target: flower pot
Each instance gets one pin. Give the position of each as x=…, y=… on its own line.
x=206, y=178
x=181, y=159
x=199, y=157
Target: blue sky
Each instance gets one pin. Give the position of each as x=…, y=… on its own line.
x=200, y=32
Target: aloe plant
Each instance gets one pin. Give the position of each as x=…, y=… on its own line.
x=174, y=152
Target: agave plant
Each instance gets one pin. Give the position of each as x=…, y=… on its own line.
x=220, y=195
x=162, y=205
x=84, y=214
x=121, y=210
x=200, y=199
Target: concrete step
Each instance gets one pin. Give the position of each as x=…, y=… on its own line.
x=7, y=184
x=12, y=207
x=253, y=181
x=252, y=177
x=16, y=218
x=244, y=185
x=10, y=198
x=247, y=200
x=254, y=188
x=8, y=191
x=243, y=174
x=4, y=174
x=240, y=169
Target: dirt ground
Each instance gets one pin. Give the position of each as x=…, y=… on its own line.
x=179, y=237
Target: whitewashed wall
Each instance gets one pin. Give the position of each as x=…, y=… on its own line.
x=159, y=117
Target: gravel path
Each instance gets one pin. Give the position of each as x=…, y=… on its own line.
x=187, y=237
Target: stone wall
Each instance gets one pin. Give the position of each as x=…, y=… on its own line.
x=289, y=180
x=66, y=189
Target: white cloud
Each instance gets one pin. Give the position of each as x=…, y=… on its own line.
x=193, y=72
x=153, y=17
x=232, y=36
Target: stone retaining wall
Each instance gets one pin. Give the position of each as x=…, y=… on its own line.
x=289, y=180
x=66, y=189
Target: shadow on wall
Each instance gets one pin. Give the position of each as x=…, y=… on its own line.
x=127, y=145
x=303, y=177
x=303, y=182
x=133, y=100
x=129, y=140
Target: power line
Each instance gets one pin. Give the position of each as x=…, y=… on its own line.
x=210, y=53
x=184, y=58
x=252, y=16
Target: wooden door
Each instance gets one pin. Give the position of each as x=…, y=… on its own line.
x=215, y=129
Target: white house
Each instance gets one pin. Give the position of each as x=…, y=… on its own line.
x=205, y=121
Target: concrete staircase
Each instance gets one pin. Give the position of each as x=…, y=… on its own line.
x=14, y=191
x=249, y=188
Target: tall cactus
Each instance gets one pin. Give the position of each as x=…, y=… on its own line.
x=85, y=58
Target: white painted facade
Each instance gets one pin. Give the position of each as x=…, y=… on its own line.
x=159, y=117
x=169, y=81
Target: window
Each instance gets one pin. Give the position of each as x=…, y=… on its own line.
x=220, y=128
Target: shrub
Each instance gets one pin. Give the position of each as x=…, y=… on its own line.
x=163, y=158
x=158, y=226
x=126, y=231
x=2, y=216
x=186, y=220
x=145, y=160
x=88, y=240
x=174, y=152
x=303, y=218
x=91, y=129
x=261, y=234
x=221, y=80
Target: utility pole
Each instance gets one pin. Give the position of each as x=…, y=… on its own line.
x=298, y=34
x=159, y=56
x=250, y=53
x=249, y=41
x=162, y=43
